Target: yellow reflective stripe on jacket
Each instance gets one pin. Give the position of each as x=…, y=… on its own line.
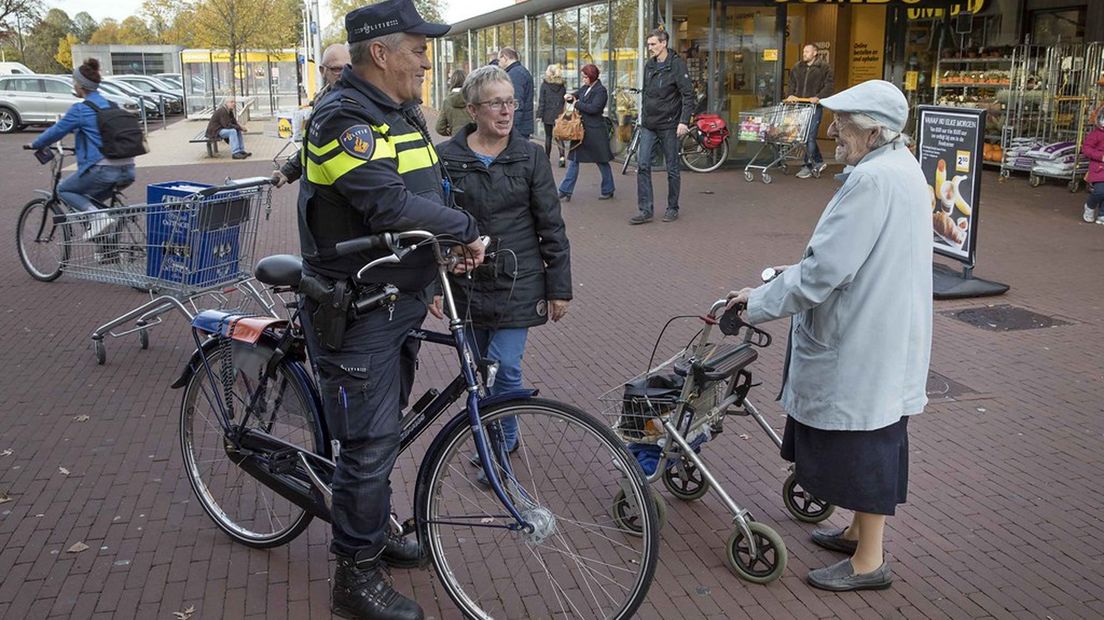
x=329, y=171
x=321, y=150
x=417, y=158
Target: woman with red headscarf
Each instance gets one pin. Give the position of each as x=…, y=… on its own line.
x=590, y=101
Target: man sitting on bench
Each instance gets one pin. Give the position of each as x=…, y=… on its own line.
x=223, y=124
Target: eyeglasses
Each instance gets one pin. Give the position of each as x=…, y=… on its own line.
x=335, y=69
x=498, y=104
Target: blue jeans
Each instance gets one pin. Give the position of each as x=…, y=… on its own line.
x=507, y=347
x=812, y=149
x=1096, y=198
x=97, y=182
x=237, y=144
x=668, y=141
x=568, y=184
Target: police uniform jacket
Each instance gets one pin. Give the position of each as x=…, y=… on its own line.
x=514, y=200
x=369, y=168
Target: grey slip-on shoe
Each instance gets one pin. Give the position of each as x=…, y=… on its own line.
x=841, y=577
x=832, y=538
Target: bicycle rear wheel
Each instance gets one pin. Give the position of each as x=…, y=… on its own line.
x=43, y=243
x=240, y=505
x=699, y=158
x=579, y=562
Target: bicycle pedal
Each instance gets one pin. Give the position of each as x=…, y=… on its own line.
x=283, y=461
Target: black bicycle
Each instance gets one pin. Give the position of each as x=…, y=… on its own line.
x=49, y=229
x=696, y=152
x=563, y=526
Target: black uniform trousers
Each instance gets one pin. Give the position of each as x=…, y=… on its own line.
x=364, y=388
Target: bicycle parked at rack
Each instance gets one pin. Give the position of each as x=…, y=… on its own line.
x=537, y=538
x=48, y=227
x=703, y=149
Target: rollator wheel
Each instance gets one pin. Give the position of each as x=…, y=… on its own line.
x=802, y=505
x=767, y=178
x=685, y=481
x=624, y=515
x=1035, y=180
x=100, y=351
x=748, y=176
x=784, y=169
x=764, y=567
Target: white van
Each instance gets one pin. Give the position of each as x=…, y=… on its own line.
x=14, y=68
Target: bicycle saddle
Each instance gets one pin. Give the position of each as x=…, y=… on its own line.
x=280, y=270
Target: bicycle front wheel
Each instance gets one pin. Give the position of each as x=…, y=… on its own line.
x=579, y=561
x=630, y=152
x=699, y=158
x=43, y=243
x=239, y=504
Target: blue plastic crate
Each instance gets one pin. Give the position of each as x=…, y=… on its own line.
x=199, y=243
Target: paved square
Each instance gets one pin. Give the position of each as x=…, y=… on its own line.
x=1005, y=510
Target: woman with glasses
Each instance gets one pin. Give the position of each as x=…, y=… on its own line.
x=590, y=101
x=506, y=183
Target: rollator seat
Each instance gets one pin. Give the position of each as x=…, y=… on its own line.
x=726, y=360
x=280, y=270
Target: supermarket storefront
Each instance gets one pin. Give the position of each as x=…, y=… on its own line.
x=738, y=51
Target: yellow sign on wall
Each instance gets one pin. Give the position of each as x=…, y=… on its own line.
x=867, y=54
x=912, y=80
x=770, y=54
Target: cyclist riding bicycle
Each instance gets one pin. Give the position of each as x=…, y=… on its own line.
x=97, y=176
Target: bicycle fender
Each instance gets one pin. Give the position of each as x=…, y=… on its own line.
x=43, y=194
x=194, y=364
x=510, y=395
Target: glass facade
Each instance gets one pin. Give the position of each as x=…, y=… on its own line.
x=271, y=79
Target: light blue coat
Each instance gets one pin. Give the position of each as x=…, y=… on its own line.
x=861, y=300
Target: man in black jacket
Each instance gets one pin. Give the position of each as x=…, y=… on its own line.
x=369, y=167
x=523, y=90
x=811, y=79
x=334, y=60
x=668, y=102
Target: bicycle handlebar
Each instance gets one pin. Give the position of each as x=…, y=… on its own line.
x=363, y=244
x=60, y=147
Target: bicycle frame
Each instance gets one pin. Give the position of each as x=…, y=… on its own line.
x=293, y=471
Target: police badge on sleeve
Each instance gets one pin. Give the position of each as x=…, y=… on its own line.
x=358, y=141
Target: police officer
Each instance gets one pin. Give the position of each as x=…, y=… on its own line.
x=369, y=167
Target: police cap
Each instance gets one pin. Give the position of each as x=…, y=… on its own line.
x=388, y=17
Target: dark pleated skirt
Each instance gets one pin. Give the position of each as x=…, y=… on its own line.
x=866, y=471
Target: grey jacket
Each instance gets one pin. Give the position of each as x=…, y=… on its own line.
x=861, y=301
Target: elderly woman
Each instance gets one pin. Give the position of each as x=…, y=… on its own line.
x=507, y=185
x=860, y=340
x=590, y=101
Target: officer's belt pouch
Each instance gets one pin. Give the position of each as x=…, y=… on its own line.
x=331, y=313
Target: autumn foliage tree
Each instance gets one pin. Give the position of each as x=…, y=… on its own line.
x=239, y=26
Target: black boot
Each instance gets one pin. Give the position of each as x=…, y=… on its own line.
x=402, y=552
x=362, y=591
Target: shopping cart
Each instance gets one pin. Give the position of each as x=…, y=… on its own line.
x=666, y=415
x=781, y=129
x=180, y=250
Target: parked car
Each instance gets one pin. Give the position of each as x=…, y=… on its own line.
x=14, y=68
x=151, y=86
x=172, y=79
x=112, y=89
x=55, y=83
x=25, y=100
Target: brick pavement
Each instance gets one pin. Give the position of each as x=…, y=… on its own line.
x=1003, y=517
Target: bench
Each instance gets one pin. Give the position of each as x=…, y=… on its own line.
x=212, y=143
